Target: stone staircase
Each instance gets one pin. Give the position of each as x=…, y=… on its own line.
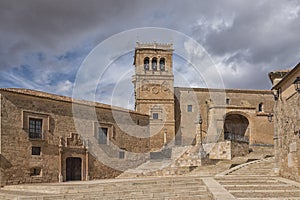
x=255, y=180
x=160, y=166
x=149, y=188
x=259, y=187
x=243, y=178
x=257, y=167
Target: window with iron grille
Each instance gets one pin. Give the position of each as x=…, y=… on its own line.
x=35, y=128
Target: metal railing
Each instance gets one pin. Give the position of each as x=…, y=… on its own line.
x=35, y=135
x=235, y=137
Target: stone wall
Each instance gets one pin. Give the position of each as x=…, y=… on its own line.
x=288, y=125
x=239, y=149
x=221, y=150
x=226, y=150
x=59, y=120
x=214, y=105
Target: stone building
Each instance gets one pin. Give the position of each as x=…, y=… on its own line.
x=231, y=124
x=44, y=140
x=287, y=122
x=51, y=138
x=229, y=116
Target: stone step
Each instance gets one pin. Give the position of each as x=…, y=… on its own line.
x=247, y=182
x=147, y=188
x=259, y=187
x=147, y=194
x=112, y=188
x=267, y=194
x=271, y=198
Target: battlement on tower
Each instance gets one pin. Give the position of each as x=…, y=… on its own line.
x=155, y=45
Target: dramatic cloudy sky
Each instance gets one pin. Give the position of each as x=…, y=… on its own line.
x=43, y=43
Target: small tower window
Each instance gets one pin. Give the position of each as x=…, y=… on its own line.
x=260, y=107
x=190, y=108
x=162, y=64
x=146, y=63
x=155, y=115
x=154, y=64
x=227, y=101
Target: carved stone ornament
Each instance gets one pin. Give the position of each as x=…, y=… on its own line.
x=155, y=90
x=145, y=86
x=165, y=87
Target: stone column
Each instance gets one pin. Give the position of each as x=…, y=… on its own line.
x=165, y=137
x=199, y=142
x=60, y=152
x=87, y=177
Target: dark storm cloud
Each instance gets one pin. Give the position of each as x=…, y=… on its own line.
x=247, y=39
x=53, y=26
x=260, y=35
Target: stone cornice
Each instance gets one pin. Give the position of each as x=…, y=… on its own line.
x=225, y=90
x=44, y=95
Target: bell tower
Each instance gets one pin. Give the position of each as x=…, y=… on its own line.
x=154, y=90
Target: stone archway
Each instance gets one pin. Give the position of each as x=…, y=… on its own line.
x=236, y=128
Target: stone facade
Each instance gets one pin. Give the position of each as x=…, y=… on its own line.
x=238, y=115
x=51, y=138
x=287, y=123
x=62, y=138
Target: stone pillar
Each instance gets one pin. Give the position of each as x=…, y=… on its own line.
x=165, y=137
x=202, y=153
x=87, y=177
x=60, y=152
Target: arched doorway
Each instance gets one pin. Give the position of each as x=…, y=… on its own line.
x=236, y=128
x=73, y=169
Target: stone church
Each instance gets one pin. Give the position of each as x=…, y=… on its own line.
x=43, y=140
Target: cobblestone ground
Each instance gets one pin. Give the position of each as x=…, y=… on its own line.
x=247, y=181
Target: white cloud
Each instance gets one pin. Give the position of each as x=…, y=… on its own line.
x=64, y=87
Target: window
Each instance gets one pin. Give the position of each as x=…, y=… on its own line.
x=162, y=64
x=190, y=108
x=260, y=107
x=155, y=115
x=227, y=101
x=35, y=128
x=154, y=64
x=121, y=154
x=102, y=135
x=35, y=171
x=146, y=63
x=36, y=151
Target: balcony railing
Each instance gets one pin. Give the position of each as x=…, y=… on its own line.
x=35, y=135
x=235, y=137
